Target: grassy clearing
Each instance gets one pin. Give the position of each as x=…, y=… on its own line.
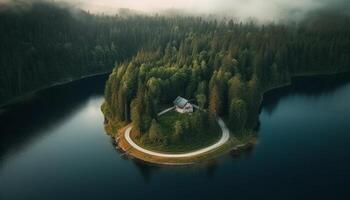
x=238, y=142
x=191, y=141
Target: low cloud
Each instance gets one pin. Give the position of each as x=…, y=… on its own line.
x=261, y=10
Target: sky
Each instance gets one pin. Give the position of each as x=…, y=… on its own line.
x=263, y=10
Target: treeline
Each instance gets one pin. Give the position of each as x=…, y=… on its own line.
x=47, y=42
x=224, y=66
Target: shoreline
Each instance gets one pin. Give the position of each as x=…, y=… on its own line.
x=133, y=153
x=124, y=140
x=297, y=76
x=226, y=148
x=230, y=145
x=58, y=83
x=224, y=138
x=222, y=150
x=130, y=152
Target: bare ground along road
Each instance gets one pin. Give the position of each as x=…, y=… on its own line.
x=224, y=138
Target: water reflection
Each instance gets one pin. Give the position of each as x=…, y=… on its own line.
x=145, y=169
x=149, y=170
x=26, y=120
x=311, y=87
x=301, y=147
x=244, y=153
x=211, y=168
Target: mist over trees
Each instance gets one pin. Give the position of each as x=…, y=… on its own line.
x=224, y=65
x=48, y=43
x=257, y=10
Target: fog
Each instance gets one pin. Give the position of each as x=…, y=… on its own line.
x=261, y=10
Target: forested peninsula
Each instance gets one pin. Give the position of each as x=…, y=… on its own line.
x=46, y=43
x=223, y=66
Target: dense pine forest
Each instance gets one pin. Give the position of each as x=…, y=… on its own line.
x=48, y=43
x=224, y=65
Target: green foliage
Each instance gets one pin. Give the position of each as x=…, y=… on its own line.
x=160, y=58
x=47, y=43
x=136, y=114
x=216, y=67
x=201, y=100
x=253, y=100
x=215, y=101
x=238, y=114
x=236, y=88
x=179, y=131
x=155, y=134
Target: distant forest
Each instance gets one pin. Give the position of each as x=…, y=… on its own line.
x=222, y=66
x=217, y=62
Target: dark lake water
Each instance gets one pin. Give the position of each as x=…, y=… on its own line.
x=53, y=146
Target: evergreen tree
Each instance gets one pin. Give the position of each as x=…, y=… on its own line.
x=154, y=132
x=201, y=100
x=179, y=131
x=236, y=89
x=215, y=101
x=238, y=114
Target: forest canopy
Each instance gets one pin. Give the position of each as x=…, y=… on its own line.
x=224, y=66
x=49, y=43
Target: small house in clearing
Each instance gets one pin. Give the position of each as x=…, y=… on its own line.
x=182, y=105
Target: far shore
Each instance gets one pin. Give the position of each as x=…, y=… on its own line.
x=58, y=83
x=230, y=146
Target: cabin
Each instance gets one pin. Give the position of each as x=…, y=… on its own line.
x=182, y=105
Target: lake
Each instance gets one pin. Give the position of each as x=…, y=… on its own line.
x=53, y=146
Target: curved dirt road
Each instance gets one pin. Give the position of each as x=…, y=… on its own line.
x=224, y=138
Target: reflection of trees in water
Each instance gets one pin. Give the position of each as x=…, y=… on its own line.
x=272, y=98
x=313, y=86
x=211, y=168
x=244, y=153
x=147, y=169
x=31, y=117
x=310, y=86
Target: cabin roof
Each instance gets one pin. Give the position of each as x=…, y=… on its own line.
x=180, y=102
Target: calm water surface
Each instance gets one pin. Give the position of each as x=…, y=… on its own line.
x=53, y=146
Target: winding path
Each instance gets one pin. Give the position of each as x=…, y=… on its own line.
x=224, y=138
